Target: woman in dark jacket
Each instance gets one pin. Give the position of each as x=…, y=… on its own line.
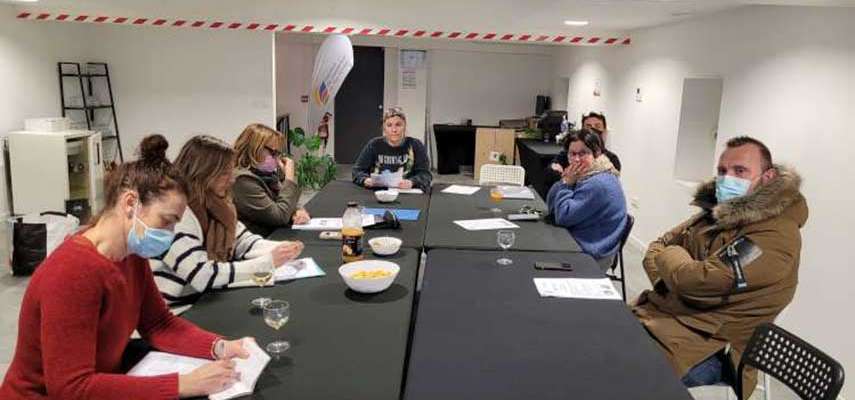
x=265, y=192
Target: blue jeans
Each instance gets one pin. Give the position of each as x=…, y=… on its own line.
x=707, y=372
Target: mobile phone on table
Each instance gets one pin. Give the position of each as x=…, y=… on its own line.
x=552, y=266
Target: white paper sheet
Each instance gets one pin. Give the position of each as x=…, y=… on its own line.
x=159, y=363
x=516, y=192
x=298, y=269
x=577, y=288
x=330, y=224
x=460, y=189
x=485, y=224
x=387, y=179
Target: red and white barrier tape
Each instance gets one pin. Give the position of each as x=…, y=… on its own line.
x=411, y=33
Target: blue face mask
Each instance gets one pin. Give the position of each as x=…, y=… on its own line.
x=730, y=187
x=153, y=242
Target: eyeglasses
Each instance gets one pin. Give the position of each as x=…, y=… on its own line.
x=583, y=153
x=273, y=152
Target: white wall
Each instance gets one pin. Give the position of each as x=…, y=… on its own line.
x=294, y=64
x=182, y=82
x=485, y=86
x=176, y=82
x=788, y=80
x=460, y=78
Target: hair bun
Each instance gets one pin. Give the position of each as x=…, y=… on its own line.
x=153, y=149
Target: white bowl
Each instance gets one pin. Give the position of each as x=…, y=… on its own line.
x=385, y=245
x=386, y=196
x=373, y=285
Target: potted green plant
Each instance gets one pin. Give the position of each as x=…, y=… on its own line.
x=313, y=169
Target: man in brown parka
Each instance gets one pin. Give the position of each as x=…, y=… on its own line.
x=711, y=286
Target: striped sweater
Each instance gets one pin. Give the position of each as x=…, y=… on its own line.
x=184, y=272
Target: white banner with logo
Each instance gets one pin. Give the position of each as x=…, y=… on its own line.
x=333, y=63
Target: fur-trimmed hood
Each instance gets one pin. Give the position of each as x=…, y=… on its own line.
x=781, y=196
x=599, y=165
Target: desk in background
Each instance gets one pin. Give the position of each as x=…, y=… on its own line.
x=535, y=157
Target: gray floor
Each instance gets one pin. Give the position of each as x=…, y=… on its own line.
x=12, y=290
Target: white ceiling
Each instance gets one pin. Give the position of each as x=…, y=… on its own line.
x=499, y=16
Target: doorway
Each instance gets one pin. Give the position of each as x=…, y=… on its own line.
x=359, y=104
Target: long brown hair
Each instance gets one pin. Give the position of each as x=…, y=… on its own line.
x=151, y=176
x=202, y=160
x=249, y=146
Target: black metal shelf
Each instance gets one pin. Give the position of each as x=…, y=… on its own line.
x=87, y=107
x=68, y=75
x=89, y=110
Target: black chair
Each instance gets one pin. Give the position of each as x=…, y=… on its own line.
x=630, y=221
x=809, y=372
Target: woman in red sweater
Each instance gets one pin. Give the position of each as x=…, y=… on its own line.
x=89, y=295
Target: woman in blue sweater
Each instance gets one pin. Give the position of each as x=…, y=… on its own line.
x=589, y=200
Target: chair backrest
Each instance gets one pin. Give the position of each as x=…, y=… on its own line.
x=624, y=236
x=508, y=174
x=809, y=372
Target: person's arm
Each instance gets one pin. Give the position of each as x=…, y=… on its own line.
x=420, y=175
x=691, y=278
x=675, y=236
x=362, y=167
x=68, y=334
x=255, y=204
x=249, y=245
x=167, y=332
x=571, y=205
x=186, y=263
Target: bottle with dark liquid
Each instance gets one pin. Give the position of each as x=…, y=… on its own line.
x=351, y=233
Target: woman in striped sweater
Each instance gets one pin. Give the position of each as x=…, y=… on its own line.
x=211, y=248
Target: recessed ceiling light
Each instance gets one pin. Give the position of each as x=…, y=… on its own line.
x=575, y=23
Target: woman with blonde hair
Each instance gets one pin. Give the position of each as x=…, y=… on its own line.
x=211, y=248
x=396, y=153
x=265, y=191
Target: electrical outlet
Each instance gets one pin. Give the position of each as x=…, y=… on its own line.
x=634, y=203
x=494, y=156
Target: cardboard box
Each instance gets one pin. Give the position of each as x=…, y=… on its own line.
x=490, y=143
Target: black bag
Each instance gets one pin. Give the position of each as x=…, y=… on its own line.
x=29, y=246
x=30, y=240
x=390, y=221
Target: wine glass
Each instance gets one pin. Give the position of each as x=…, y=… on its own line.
x=261, y=276
x=496, y=197
x=276, y=314
x=505, y=240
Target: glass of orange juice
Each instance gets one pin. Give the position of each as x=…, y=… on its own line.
x=496, y=197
